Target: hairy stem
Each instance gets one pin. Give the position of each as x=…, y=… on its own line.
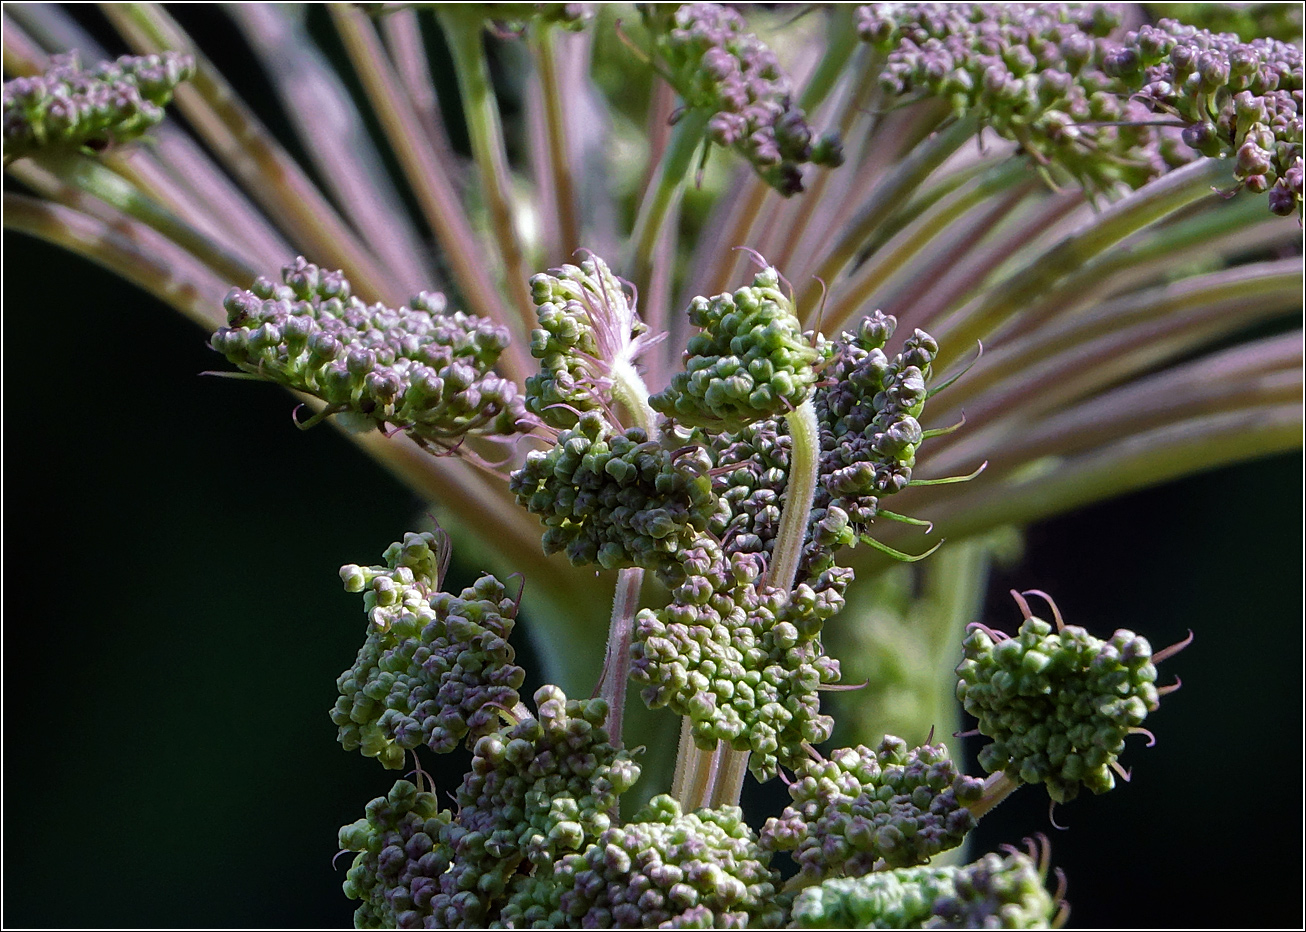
x=616, y=662
x=804, y=458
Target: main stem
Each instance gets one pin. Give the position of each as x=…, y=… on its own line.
x=729, y=765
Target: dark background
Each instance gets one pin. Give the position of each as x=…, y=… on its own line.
x=173, y=627
x=174, y=624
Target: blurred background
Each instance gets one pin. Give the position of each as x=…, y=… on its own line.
x=174, y=624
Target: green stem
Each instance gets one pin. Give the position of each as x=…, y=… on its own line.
x=616, y=662
x=996, y=789
x=126, y=248
x=463, y=32
x=842, y=42
x=563, y=185
x=664, y=191
x=804, y=458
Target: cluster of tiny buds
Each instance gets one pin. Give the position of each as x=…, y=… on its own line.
x=68, y=107
x=719, y=67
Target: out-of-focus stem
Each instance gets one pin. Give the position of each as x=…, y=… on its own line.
x=665, y=189
x=432, y=183
x=343, y=152
x=403, y=34
x=250, y=152
x=892, y=191
x=564, y=207
x=867, y=281
x=463, y=32
x=1149, y=204
x=842, y=42
x=126, y=248
x=90, y=176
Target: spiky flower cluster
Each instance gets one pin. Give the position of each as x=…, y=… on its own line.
x=538, y=789
x=719, y=67
x=663, y=869
x=749, y=361
x=588, y=334
x=861, y=805
x=68, y=107
x=617, y=500
x=994, y=892
x=398, y=861
x=424, y=368
x=436, y=668
x=1057, y=702
x=743, y=660
x=1239, y=99
x=867, y=416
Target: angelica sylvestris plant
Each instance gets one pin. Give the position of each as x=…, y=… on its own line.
x=866, y=279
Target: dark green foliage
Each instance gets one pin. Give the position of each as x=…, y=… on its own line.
x=1057, y=702
x=436, y=668
x=422, y=368
x=860, y=806
x=69, y=108
x=717, y=66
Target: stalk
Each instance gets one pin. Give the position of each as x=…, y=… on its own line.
x=1146, y=206
x=93, y=178
x=665, y=189
x=481, y=113
x=562, y=184
x=888, y=196
x=252, y=154
x=431, y=182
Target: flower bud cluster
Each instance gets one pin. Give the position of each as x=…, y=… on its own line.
x=719, y=67
x=995, y=892
x=663, y=869
x=867, y=417
x=1058, y=704
x=68, y=107
x=421, y=368
x=537, y=790
x=435, y=668
x=399, y=860
x=743, y=660
x=750, y=360
x=860, y=806
x=1032, y=72
x=618, y=500
x=588, y=328
x=1241, y=100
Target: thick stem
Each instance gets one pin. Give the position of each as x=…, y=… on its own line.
x=804, y=458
